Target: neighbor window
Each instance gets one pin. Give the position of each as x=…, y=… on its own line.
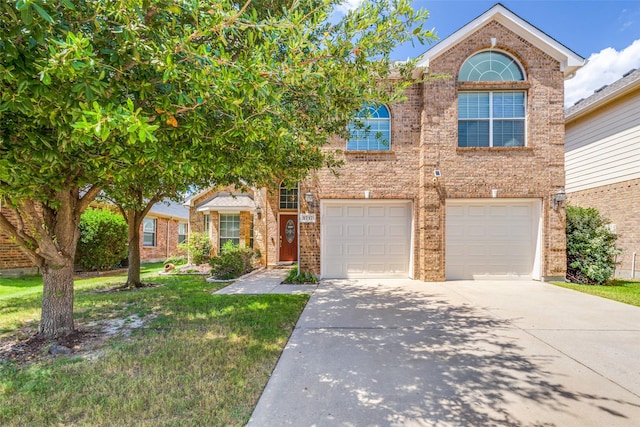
x=491, y=118
x=371, y=129
x=148, y=232
x=207, y=223
x=229, y=229
x=182, y=232
x=288, y=197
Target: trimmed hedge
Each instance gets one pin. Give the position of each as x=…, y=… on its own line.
x=103, y=240
x=591, y=250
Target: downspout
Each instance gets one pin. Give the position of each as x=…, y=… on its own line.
x=633, y=265
x=299, y=237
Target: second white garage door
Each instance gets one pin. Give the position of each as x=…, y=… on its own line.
x=494, y=238
x=365, y=238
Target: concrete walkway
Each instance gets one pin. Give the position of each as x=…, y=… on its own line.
x=266, y=282
x=409, y=353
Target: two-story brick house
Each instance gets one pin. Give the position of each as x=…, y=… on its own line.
x=464, y=179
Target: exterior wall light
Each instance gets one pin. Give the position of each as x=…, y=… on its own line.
x=558, y=198
x=259, y=211
x=308, y=197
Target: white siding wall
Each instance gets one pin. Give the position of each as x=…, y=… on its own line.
x=604, y=148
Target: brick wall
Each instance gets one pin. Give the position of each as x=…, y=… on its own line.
x=424, y=138
x=620, y=203
x=534, y=171
x=166, y=241
x=12, y=259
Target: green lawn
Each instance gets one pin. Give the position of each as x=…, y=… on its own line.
x=625, y=291
x=200, y=359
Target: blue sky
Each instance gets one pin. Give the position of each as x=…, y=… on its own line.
x=606, y=32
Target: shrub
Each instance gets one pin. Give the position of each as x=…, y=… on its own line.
x=591, y=250
x=232, y=262
x=176, y=260
x=296, y=276
x=198, y=247
x=103, y=240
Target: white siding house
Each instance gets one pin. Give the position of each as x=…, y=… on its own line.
x=602, y=157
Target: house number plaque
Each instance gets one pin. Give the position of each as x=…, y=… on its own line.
x=290, y=231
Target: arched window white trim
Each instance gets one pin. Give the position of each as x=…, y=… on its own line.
x=371, y=129
x=491, y=66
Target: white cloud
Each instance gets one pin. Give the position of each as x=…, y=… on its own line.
x=348, y=5
x=604, y=67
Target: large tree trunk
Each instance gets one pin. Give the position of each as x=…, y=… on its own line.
x=57, y=302
x=133, y=273
x=48, y=234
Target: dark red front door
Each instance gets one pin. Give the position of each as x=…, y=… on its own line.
x=288, y=237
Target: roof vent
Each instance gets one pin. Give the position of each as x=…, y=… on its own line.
x=598, y=90
x=628, y=72
x=578, y=101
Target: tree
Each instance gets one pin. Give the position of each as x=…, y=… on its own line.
x=122, y=93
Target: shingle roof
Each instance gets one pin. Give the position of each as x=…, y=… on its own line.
x=605, y=94
x=169, y=208
x=227, y=201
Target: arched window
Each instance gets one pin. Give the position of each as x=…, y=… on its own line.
x=371, y=129
x=491, y=118
x=490, y=66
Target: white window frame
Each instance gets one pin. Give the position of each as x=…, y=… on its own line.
x=491, y=120
x=149, y=228
x=184, y=227
x=223, y=238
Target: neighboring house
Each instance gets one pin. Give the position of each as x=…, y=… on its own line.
x=164, y=227
x=602, y=157
x=13, y=260
x=456, y=182
x=225, y=214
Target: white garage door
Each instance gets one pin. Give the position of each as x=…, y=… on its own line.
x=366, y=239
x=492, y=239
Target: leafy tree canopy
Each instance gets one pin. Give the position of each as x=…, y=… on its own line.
x=104, y=93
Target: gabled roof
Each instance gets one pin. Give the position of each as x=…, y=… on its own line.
x=227, y=202
x=569, y=60
x=606, y=94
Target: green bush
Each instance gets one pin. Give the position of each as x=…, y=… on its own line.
x=296, y=276
x=591, y=250
x=232, y=262
x=103, y=240
x=198, y=247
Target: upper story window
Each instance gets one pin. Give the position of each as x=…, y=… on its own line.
x=371, y=129
x=491, y=118
x=490, y=66
x=288, y=197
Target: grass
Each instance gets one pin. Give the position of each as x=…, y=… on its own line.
x=202, y=359
x=626, y=291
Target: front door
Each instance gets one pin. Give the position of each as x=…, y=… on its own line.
x=288, y=237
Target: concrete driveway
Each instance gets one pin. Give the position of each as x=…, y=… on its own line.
x=409, y=353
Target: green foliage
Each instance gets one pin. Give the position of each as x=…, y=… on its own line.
x=103, y=240
x=591, y=250
x=297, y=276
x=198, y=247
x=232, y=262
x=176, y=260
